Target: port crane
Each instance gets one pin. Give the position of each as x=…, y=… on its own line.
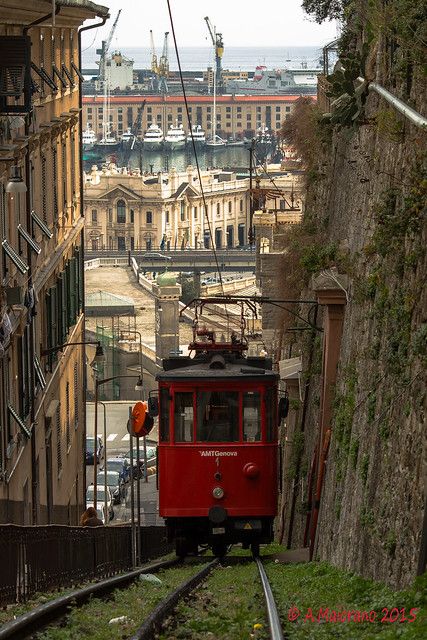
x=135, y=129
x=218, y=44
x=102, y=52
x=159, y=67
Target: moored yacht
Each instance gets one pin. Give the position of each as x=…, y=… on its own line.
x=88, y=138
x=153, y=138
x=215, y=142
x=199, y=136
x=127, y=138
x=175, y=137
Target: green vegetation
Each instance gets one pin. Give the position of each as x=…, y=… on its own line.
x=312, y=586
x=344, y=407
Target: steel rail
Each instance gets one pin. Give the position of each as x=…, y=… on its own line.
x=412, y=115
x=30, y=622
x=154, y=621
x=276, y=632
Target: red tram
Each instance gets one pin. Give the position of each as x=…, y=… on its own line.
x=218, y=446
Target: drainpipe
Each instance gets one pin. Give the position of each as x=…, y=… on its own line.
x=28, y=205
x=84, y=381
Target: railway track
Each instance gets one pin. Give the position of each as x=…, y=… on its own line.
x=52, y=612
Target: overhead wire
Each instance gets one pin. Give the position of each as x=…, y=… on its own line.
x=194, y=147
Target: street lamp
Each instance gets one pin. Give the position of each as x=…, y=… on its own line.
x=99, y=353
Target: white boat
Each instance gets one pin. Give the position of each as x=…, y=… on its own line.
x=216, y=142
x=199, y=136
x=235, y=143
x=108, y=140
x=175, y=137
x=153, y=138
x=127, y=138
x=88, y=138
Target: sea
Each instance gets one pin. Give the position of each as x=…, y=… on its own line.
x=235, y=58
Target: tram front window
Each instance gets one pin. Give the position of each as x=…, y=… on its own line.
x=251, y=416
x=218, y=416
x=183, y=417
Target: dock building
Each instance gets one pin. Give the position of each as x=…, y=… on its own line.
x=236, y=116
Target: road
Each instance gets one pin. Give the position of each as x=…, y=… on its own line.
x=117, y=442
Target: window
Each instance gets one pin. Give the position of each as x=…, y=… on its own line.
x=208, y=109
x=76, y=395
x=195, y=213
x=132, y=243
x=182, y=210
x=94, y=215
x=270, y=399
x=164, y=415
x=167, y=217
x=149, y=217
x=89, y=111
x=229, y=206
x=110, y=216
x=278, y=109
x=251, y=416
x=58, y=439
x=228, y=109
x=218, y=416
x=67, y=416
x=121, y=211
x=258, y=109
x=287, y=109
x=179, y=110
x=239, y=109
x=241, y=206
x=132, y=216
x=218, y=210
x=148, y=109
x=183, y=416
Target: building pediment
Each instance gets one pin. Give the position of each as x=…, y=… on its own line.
x=185, y=189
x=120, y=191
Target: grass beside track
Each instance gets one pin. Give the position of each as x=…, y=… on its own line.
x=229, y=605
x=314, y=587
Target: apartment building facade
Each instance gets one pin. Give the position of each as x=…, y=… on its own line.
x=132, y=211
x=42, y=431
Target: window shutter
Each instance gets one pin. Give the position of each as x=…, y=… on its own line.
x=58, y=439
x=76, y=395
x=55, y=184
x=67, y=416
x=79, y=278
x=51, y=323
x=62, y=308
x=72, y=293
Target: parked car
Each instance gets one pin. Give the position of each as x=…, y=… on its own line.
x=90, y=449
x=114, y=484
x=152, y=255
x=100, y=498
x=151, y=459
x=121, y=465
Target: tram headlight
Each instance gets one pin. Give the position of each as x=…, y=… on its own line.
x=218, y=493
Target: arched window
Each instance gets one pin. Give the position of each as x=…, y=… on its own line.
x=121, y=211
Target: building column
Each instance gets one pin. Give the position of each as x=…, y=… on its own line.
x=167, y=293
x=334, y=300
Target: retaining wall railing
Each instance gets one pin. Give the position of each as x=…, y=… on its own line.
x=46, y=558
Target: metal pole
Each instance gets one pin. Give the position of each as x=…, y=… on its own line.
x=95, y=462
x=141, y=371
x=106, y=516
x=138, y=503
x=132, y=492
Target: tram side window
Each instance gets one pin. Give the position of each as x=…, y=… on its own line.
x=271, y=414
x=251, y=416
x=218, y=416
x=183, y=417
x=164, y=415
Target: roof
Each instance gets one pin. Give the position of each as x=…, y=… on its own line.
x=98, y=9
x=179, y=99
x=106, y=299
x=182, y=188
x=233, y=370
x=117, y=187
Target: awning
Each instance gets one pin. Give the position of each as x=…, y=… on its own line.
x=39, y=222
x=32, y=243
x=19, y=421
x=290, y=368
x=10, y=251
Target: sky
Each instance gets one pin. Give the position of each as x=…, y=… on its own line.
x=243, y=23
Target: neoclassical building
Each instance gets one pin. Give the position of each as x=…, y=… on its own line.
x=132, y=211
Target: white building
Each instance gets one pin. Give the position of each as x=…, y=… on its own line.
x=119, y=71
